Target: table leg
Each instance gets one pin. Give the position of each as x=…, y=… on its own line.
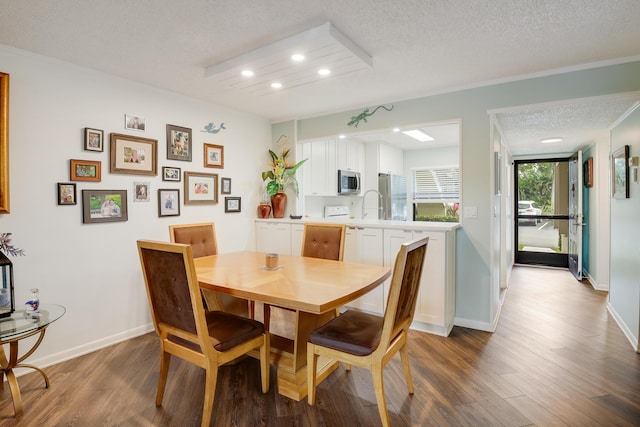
x=7, y=366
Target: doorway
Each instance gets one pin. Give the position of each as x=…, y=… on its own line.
x=541, y=209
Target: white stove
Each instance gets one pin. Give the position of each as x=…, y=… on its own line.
x=335, y=212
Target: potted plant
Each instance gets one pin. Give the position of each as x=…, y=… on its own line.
x=281, y=174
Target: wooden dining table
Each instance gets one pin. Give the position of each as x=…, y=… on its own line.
x=312, y=289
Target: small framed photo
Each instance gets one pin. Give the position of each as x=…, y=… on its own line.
x=85, y=170
x=104, y=206
x=66, y=193
x=587, y=172
x=168, y=202
x=134, y=122
x=620, y=172
x=213, y=156
x=141, y=191
x=133, y=155
x=225, y=185
x=93, y=139
x=170, y=174
x=178, y=143
x=200, y=188
x=232, y=204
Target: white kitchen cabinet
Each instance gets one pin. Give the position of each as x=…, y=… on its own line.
x=273, y=237
x=390, y=160
x=319, y=173
x=350, y=156
x=435, y=308
x=297, y=232
x=364, y=245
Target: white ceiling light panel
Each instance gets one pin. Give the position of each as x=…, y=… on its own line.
x=323, y=47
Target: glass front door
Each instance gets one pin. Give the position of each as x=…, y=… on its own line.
x=542, y=212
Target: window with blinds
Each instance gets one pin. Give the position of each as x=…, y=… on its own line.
x=436, y=185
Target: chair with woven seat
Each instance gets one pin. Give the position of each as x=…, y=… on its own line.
x=370, y=341
x=319, y=240
x=206, y=339
x=202, y=238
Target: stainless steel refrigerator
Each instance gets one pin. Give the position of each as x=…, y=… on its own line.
x=394, y=196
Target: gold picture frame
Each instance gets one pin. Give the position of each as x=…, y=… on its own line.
x=213, y=156
x=133, y=155
x=4, y=143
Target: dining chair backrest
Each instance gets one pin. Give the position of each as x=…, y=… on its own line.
x=201, y=237
x=323, y=241
x=403, y=293
x=173, y=291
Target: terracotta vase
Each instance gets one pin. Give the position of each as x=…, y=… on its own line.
x=264, y=210
x=279, y=203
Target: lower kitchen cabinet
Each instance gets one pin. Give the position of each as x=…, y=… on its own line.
x=435, y=308
x=364, y=245
x=273, y=237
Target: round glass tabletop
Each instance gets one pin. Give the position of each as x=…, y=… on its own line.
x=22, y=323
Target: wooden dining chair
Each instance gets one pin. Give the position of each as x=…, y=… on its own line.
x=202, y=238
x=206, y=339
x=370, y=341
x=319, y=240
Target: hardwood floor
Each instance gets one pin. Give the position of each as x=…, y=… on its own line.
x=557, y=358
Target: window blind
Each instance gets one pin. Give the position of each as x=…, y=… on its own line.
x=436, y=185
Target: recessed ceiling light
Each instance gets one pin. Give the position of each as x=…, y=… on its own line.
x=276, y=85
x=550, y=140
x=396, y=129
x=298, y=57
x=324, y=71
x=341, y=136
x=418, y=134
x=247, y=73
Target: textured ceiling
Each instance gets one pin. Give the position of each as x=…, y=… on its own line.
x=419, y=47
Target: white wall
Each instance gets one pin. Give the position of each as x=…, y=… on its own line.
x=624, y=291
x=93, y=269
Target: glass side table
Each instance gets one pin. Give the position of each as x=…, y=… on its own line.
x=18, y=326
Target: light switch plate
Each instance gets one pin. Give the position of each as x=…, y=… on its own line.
x=471, y=212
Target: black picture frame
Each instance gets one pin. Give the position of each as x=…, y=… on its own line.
x=225, y=185
x=93, y=140
x=168, y=202
x=232, y=204
x=67, y=194
x=170, y=173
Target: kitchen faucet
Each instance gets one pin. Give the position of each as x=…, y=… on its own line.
x=379, y=204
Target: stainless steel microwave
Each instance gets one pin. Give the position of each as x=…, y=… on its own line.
x=348, y=182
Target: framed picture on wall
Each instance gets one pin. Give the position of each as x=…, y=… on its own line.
x=620, y=173
x=133, y=155
x=178, y=143
x=168, y=202
x=66, y=193
x=225, y=185
x=134, y=122
x=93, y=139
x=104, y=206
x=200, y=188
x=141, y=191
x=213, y=156
x=587, y=172
x=171, y=174
x=232, y=204
x=85, y=170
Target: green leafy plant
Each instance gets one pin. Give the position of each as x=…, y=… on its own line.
x=7, y=247
x=282, y=173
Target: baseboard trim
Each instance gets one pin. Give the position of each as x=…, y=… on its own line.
x=633, y=340
x=595, y=285
x=83, y=349
x=474, y=324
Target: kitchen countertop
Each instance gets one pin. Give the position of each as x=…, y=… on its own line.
x=372, y=223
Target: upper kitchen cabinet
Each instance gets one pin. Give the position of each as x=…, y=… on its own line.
x=390, y=160
x=319, y=177
x=350, y=155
